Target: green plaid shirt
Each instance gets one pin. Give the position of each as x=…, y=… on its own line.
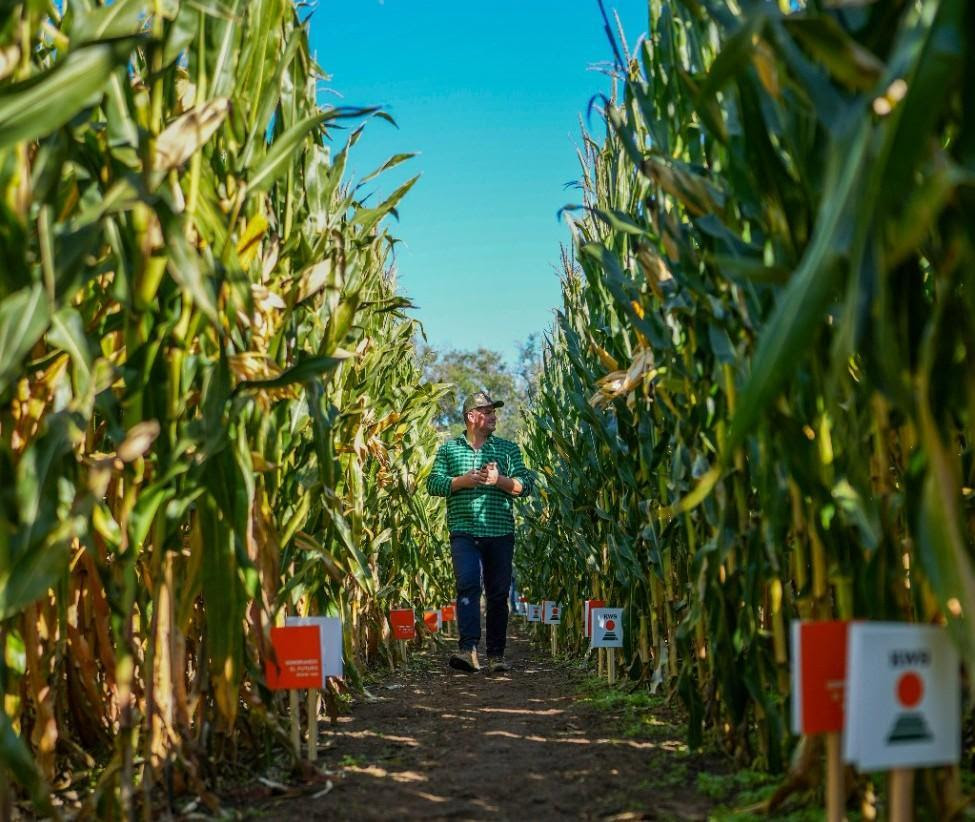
x=485, y=511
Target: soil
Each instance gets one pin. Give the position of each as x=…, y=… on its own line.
x=435, y=743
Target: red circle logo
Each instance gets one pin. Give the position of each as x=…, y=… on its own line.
x=910, y=689
x=610, y=624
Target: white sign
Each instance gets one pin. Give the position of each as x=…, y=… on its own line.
x=330, y=635
x=551, y=613
x=903, y=697
x=534, y=613
x=607, y=628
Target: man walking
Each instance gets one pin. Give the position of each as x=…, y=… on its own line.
x=480, y=475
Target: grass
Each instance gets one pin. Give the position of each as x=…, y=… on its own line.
x=738, y=794
x=641, y=713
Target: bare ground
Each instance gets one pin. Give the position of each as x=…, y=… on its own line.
x=440, y=744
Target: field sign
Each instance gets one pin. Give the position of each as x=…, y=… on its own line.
x=298, y=651
x=330, y=630
x=607, y=628
x=403, y=623
x=818, y=676
x=534, y=612
x=448, y=613
x=521, y=605
x=432, y=620
x=903, y=697
x=587, y=614
x=551, y=613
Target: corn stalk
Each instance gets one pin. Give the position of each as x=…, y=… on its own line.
x=758, y=396
x=210, y=413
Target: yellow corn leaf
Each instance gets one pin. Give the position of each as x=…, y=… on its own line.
x=187, y=133
x=250, y=240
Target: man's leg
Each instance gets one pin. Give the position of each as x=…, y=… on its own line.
x=496, y=555
x=467, y=574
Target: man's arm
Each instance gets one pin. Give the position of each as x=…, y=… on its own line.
x=471, y=479
x=521, y=481
x=510, y=485
x=439, y=483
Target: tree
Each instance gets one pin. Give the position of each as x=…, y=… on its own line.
x=528, y=369
x=481, y=370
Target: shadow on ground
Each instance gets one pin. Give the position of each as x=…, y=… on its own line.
x=439, y=744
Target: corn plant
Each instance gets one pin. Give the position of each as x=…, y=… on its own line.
x=757, y=401
x=210, y=414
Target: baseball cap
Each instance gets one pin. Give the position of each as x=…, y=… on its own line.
x=480, y=399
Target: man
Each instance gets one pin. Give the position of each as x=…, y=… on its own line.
x=480, y=475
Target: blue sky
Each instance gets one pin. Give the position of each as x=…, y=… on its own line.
x=489, y=96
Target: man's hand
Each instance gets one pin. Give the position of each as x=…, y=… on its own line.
x=490, y=473
x=470, y=479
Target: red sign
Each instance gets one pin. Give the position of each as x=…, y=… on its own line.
x=821, y=669
x=448, y=613
x=432, y=619
x=590, y=604
x=403, y=622
x=298, y=658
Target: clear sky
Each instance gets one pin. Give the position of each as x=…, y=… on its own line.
x=489, y=95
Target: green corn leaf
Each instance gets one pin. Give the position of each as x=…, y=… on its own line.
x=279, y=156
x=68, y=333
x=848, y=61
x=16, y=757
x=369, y=217
x=123, y=18
x=35, y=107
x=307, y=369
x=24, y=317
x=803, y=304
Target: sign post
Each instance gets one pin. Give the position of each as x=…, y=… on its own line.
x=552, y=616
x=330, y=637
x=295, y=721
x=296, y=663
x=607, y=632
x=403, y=623
x=818, y=678
x=903, y=704
x=587, y=610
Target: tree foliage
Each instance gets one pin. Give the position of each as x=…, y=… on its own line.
x=482, y=369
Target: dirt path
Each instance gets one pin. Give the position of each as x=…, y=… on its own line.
x=439, y=744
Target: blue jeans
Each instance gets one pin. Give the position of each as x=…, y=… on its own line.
x=471, y=555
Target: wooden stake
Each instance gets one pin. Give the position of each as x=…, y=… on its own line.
x=600, y=661
x=611, y=665
x=403, y=651
x=312, y=724
x=555, y=640
x=835, y=780
x=295, y=722
x=900, y=787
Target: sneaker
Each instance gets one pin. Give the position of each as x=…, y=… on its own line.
x=498, y=665
x=465, y=661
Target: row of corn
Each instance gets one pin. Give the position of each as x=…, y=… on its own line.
x=758, y=400
x=210, y=412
